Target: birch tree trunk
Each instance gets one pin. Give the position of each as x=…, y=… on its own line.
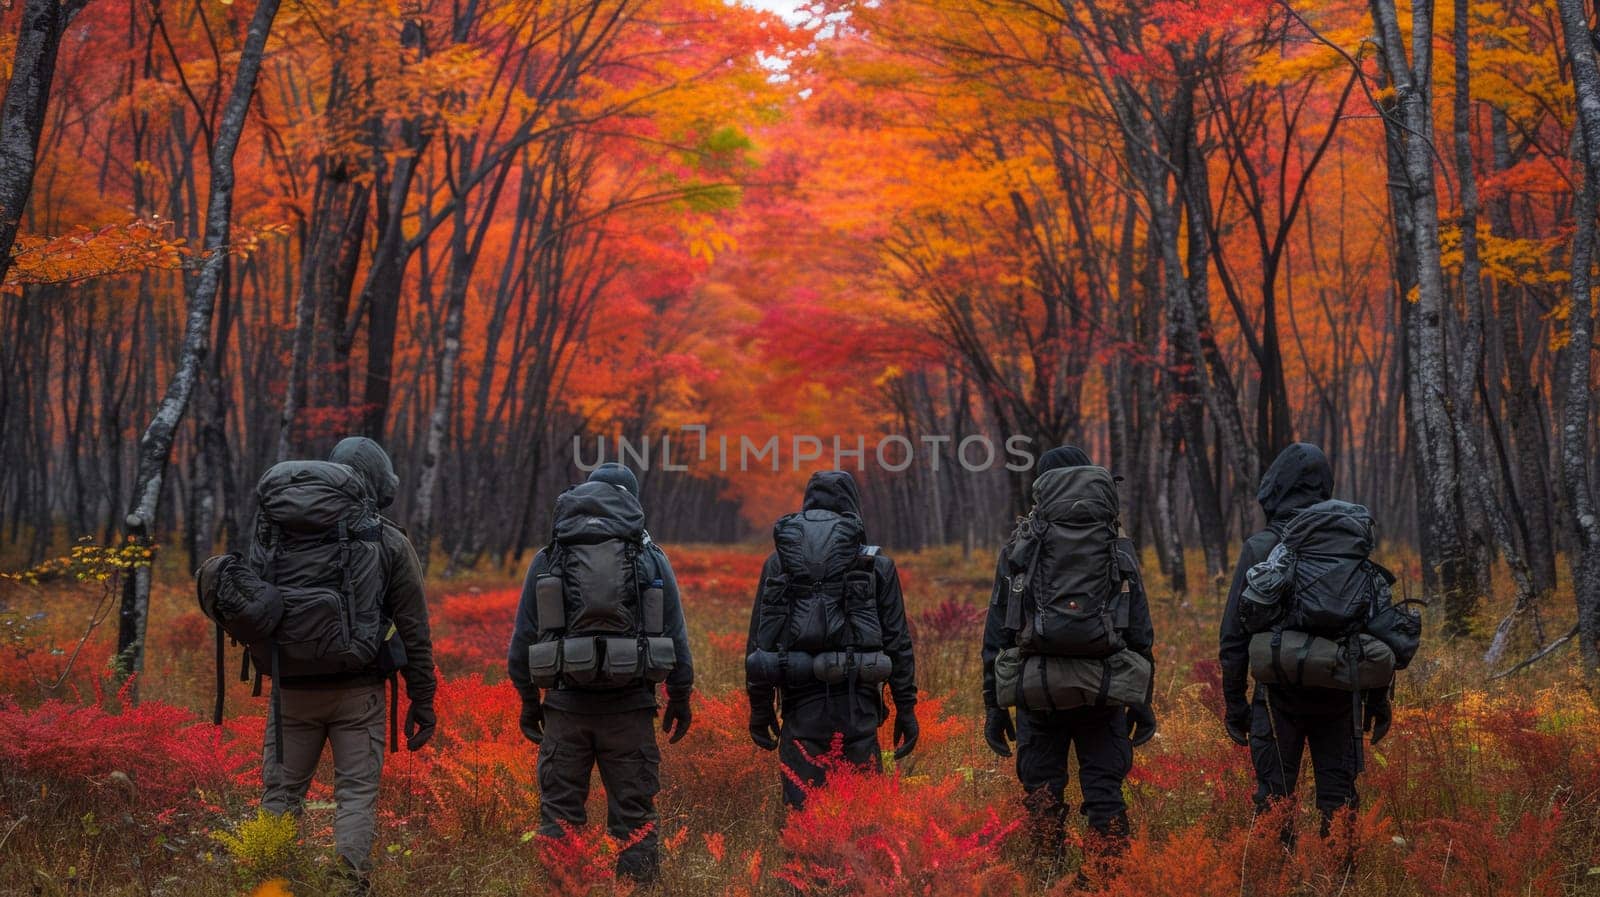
x=1435, y=442
x=155, y=446
x=1575, y=404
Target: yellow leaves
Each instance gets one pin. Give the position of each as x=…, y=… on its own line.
x=86, y=562
x=260, y=844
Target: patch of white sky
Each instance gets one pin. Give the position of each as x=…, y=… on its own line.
x=798, y=13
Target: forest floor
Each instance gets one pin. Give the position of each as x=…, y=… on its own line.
x=1483, y=788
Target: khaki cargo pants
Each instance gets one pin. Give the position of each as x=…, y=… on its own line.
x=352, y=721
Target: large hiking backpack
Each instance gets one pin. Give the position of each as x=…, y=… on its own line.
x=601, y=623
x=318, y=541
x=308, y=601
x=1069, y=568
x=817, y=618
x=1319, y=608
x=1070, y=572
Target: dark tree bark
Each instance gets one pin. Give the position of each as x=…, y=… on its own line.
x=22, y=114
x=1575, y=417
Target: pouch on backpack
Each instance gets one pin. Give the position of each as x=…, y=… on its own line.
x=653, y=610
x=392, y=651
x=660, y=658
x=1399, y=627
x=580, y=661
x=544, y=663
x=874, y=667
x=313, y=637
x=836, y=667
x=1008, y=677
x=1064, y=683
x=247, y=607
x=1266, y=584
x=861, y=610
x=623, y=663
x=550, y=602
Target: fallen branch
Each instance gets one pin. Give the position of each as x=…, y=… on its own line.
x=1538, y=655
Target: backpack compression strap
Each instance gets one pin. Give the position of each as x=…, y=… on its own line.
x=222, y=680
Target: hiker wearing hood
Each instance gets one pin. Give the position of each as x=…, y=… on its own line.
x=827, y=631
x=1279, y=722
x=346, y=710
x=1104, y=736
x=602, y=596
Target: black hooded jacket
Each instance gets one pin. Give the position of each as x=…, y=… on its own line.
x=818, y=710
x=1300, y=477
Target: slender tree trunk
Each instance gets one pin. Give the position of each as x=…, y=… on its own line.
x=155, y=447
x=1449, y=556
x=1530, y=438
x=1575, y=418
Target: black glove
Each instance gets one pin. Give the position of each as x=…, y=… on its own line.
x=1141, y=724
x=1237, y=722
x=676, y=718
x=420, y=723
x=1377, y=717
x=998, y=729
x=532, y=721
x=764, y=727
x=906, y=731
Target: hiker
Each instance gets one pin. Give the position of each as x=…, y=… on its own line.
x=600, y=625
x=828, y=629
x=1069, y=609
x=1274, y=619
x=319, y=536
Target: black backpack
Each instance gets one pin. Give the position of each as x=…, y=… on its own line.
x=822, y=600
x=596, y=553
x=1320, y=578
x=1070, y=567
x=318, y=542
x=601, y=621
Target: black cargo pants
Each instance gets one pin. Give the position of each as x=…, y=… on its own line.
x=1105, y=754
x=1279, y=737
x=623, y=746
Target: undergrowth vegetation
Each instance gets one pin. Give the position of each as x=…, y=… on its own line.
x=1484, y=788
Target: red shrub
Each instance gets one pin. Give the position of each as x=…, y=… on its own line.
x=716, y=775
x=164, y=752
x=479, y=772
x=584, y=864
x=865, y=833
x=1476, y=855
x=472, y=630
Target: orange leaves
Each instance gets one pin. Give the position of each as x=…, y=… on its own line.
x=82, y=253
